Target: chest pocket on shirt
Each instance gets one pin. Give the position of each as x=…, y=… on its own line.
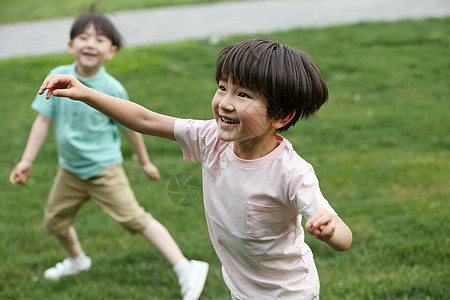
x=266, y=220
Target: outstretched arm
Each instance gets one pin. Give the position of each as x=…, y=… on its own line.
x=127, y=113
x=330, y=229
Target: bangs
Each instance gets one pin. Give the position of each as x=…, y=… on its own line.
x=102, y=26
x=245, y=64
x=286, y=77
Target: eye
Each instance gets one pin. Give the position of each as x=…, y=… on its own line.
x=243, y=95
x=222, y=88
x=101, y=39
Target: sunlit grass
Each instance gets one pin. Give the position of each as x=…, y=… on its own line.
x=380, y=148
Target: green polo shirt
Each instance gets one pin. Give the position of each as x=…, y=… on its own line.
x=87, y=141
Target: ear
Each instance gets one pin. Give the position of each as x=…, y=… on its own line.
x=280, y=122
x=70, y=44
x=112, y=52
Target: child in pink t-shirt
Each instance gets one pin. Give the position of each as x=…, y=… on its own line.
x=256, y=187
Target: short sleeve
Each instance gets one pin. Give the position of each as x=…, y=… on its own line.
x=305, y=193
x=196, y=137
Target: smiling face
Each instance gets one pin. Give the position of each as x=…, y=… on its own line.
x=291, y=84
x=91, y=49
x=242, y=117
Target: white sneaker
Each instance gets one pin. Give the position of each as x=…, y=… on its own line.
x=193, y=281
x=69, y=266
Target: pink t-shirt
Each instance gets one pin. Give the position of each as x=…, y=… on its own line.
x=253, y=210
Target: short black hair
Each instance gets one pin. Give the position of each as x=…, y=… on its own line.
x=286, y=77
x=102, y=25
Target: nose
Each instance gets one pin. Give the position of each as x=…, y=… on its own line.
x=90, y=42
x=226, y=104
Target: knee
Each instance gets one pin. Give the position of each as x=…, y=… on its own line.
x=137, y=224
x=56, y=226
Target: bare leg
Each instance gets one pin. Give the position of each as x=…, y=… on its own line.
x=191, y=274
x=70, y=243
x=158, y=235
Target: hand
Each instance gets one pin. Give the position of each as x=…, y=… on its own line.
x=62, y=86
x=20, y=172
x=322, y=225
x=151, y=171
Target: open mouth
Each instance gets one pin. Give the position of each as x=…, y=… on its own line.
x=90, y=54
x=228, y=121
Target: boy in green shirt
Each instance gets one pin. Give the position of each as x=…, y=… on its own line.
x=90, y=160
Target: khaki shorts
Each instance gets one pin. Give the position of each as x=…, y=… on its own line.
x=109, y=188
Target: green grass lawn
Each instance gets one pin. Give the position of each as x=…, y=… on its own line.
x=380, y=148
x=26, y=10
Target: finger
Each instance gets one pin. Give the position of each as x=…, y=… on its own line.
x=317, y=233
x=22, y=180
x=49, y=94
x=15, y=178
x=59, y=93
x=327, y=231
x=317, y=215
x=12, y=178
x=45, y=84
x=323, y=220
x=42, y=88
x=313, y=219
x=154, y=176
